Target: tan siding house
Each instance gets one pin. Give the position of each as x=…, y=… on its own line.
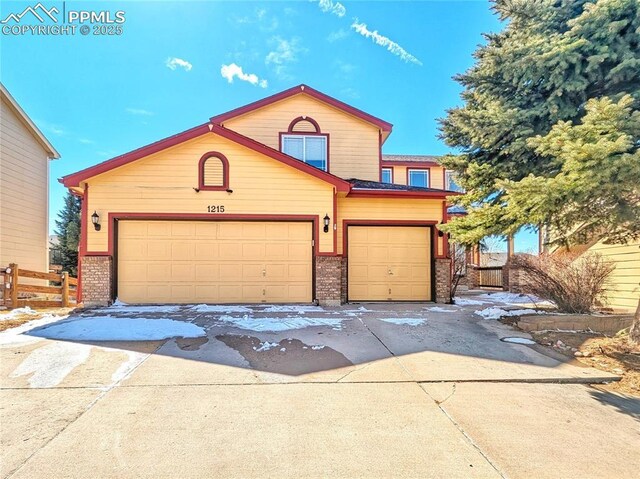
x=278, y=201
x=24, y=188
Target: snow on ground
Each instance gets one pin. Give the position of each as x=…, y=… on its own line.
x=409, y=321
x=109, y=328
x=251, y=323
x=50, y=364
x=220, y=308
x=467, y=302
x=292, y=309
x=514, y=298
x=20, y=335
x=266, y=346
x=497, y=313
x=120, y=307
x=438, y=309
x=14, y=313
x=516, y=340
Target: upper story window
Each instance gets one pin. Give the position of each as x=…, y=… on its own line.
x=450, y=183
x=418, y=178
x=387, y=175
x=304, y=141
x=213, y=172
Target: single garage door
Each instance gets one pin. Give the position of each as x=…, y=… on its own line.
x=389, y=263
x=214, y=262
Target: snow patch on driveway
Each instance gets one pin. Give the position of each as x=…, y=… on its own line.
x=467, y=302
x=220, y=308
x=251, y=323
x=292, y=309
x=497, y=313
x=408, y=321
x=108, y=328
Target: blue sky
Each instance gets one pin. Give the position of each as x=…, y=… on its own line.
x=99, y=96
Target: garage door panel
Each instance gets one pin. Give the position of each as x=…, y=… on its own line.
x=207, y=250
x=230, y=250
x=149, y=229
x=253, y=251
x=183, y=228
x=183, y=272
x=207, y=272
x=389, y=263
x=182, y=251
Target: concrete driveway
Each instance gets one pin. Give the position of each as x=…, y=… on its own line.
x=373, y=390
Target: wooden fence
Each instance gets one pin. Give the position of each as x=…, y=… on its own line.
x=17, y=294
x=490, y=276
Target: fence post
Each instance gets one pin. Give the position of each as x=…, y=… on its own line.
x=13, y=291
x=65, y=289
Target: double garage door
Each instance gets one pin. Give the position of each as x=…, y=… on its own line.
x=214, y=262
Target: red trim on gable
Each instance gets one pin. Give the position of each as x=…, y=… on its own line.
x=74, y=179
x=414, y=164
x=225, y=172
x=383, y=125
x=295, y=121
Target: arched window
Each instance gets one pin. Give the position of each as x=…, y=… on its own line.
x=213, y=172
x=304, y=141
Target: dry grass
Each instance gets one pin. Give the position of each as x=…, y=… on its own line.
x=613, y=355
x=20, y=319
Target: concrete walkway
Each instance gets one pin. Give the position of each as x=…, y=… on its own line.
x=380, y=391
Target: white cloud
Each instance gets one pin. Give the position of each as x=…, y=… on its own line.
x=284, y=53
x=51, y=127
x=174, y=62
x=383, y=41
x=337, y=35
x=332, y=7
x=232, y=70
x=85, y=141
x=139, y=112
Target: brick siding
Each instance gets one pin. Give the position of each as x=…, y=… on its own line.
x=329, y=280
x=96, y=274
x=443, y=280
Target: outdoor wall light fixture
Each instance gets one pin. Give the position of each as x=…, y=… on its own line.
x=326, y=223
x=95, y=219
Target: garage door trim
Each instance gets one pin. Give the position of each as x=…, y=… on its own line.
x=115, y=217
x=432, y=247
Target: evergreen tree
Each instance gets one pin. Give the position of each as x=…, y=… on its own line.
x=549, y=130
x=68, y=232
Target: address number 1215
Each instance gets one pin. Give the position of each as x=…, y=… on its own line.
x=215, y=208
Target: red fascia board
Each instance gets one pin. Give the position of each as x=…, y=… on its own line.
x=411, y=164
x=357, y=193
x=383, y=125
x=339, y=183
x=74, y=179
